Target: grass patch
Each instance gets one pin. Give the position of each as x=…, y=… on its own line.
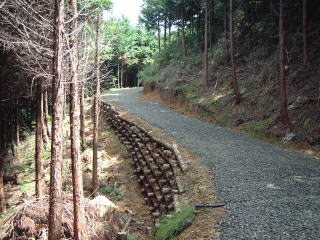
x=132, y=237
x=27, y=186
x=116, y=194
x=46, y=154
x=256, y=129
x=170, y=227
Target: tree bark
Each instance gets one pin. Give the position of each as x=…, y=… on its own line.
x=46, y=111
x=17, y=127
x=45, y=137
x=95, y=183
x=234, y=71
x=159, y=35
x=282, y=62
x=82, y=117
x=165, y=32
x=183, y=38
x=2, y=149
x=57, y=125
x=78, y=205
x=39, y=142
x=225, y=18
x=306, y=60
x=206, y=64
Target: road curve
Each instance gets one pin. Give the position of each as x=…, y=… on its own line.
x=269, y=192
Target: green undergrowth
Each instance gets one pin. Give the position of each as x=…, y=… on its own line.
x=116, y=194
x=256, y=128
x=170, y=226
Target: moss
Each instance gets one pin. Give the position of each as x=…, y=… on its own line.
x=170, y=227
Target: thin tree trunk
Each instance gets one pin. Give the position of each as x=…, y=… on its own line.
x=45, y=137
x=206, y=65
x=170, y=25
x=78, y=205
x=122, y=75
x=183, y=38
x=46, y=111
x=234, y=71
x=225, y=22
x=119, y=75
x=82, y=116
x=165, y=33
x=282, y=62
x=2, y=149
x=95, y=183
x=159, y=36
x=17, y=127
x=306, y=61
x=57, y=125
x=39, y=142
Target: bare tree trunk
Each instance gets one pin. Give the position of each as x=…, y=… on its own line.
x=122, y=75
x=95, y=183
x=39, y=142
x=45, y=137
x=282, y=62
x=183, y=37
x=306, y=60
x=2, y=149
x=206, y=64
x=82, y=117
x=159, y=36
x=46, y=111
x=17, y=127
x=170, y=25
x=78, y=205
x=57, y=125
x=225, y=18
x=165, y=32
x=234, y=72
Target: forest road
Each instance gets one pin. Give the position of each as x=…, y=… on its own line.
x=269, y=192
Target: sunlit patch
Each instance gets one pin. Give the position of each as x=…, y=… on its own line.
x=272, y=186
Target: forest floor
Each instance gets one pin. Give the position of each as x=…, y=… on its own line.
x=117, y=182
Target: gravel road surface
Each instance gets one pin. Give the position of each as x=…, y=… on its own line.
x=269, y=192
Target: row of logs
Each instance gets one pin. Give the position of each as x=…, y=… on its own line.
x=156, y=165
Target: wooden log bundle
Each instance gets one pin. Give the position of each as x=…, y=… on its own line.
x=156, y=163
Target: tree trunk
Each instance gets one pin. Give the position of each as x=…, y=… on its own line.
x=17, y=127
x=78, y=205
x=95, y=183
x=122, y=75
x=82, y=117
x=234, y=71
x=57, y=125
x=39, y=142
x=165, y=33
x=306, y=61
x=282, y=62
x=46, y=111
x=2, y=149
x=206, y=65
x=118, y=75
x=183, y=37
x=45, y=137
x=159, y=35
x=225, y=18
x=170, y=25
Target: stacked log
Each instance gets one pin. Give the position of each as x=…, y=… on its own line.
x=156, y=163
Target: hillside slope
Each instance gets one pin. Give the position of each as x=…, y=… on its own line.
x=258, y=115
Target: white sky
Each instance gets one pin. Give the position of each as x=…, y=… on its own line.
x=127, y=8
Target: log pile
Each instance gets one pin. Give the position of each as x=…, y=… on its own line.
x=157, y=164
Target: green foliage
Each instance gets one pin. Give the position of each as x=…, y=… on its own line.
x=110, y=190
x=170, y=227
x=256, y=128
x=132, y=237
